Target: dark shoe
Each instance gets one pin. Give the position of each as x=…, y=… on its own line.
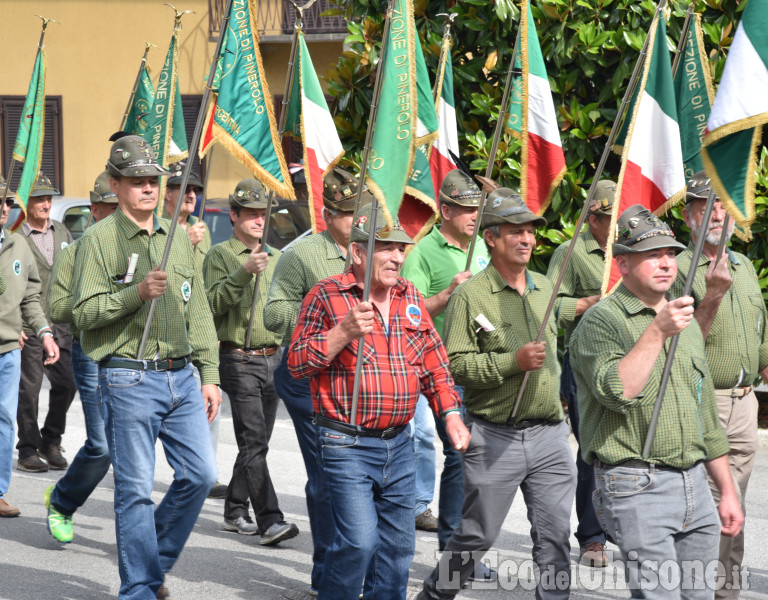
x=32, y=464
x=242, y=525
x=6, y=510
x=593, y=555
x=163, y=593
x=52, y=455
x=426, y=521
x=218, y=491
x=278, y=532
x=483, y=573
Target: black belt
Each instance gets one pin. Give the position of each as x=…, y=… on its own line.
x=347, y=429
x=267, y=351
x=636, y=463
x=530, y=423
x=169, y=364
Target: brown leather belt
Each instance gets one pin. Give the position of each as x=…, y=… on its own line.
x=267, y=351
x=737, y=392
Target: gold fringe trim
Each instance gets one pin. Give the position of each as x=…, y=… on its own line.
x=704, y=59
x=552, y=187
x=445, y=49
x=430, y=202
x=203, y=149
x=526, y=74
x=742, y=219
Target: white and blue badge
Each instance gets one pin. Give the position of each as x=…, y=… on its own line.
x=64, y=245
x=413, y=312
x=17, y=267
x=186, y=291
x=482, y=262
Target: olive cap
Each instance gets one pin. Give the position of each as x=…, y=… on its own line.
x=177, y=171
x=698, y=187
x=641, y=230
x=250, y=193
x=361, y=227
x=43, y=187
x=459, y=188
x=340, y=191
x=602, y=201
x=132, y=156
x=503, y=205
x=3, y=185
x=101, y=192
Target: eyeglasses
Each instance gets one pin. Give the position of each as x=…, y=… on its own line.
x=9, y=201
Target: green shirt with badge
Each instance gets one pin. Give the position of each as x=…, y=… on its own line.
x=583, y=278
x=612, y=427
x=310, y=260
x=229, y=288
x=112, y=316
x=60, y=291
x=433, y=263
x=482, y=351
x=737, y=344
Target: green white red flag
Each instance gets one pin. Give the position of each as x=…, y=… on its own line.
x=418, y=210
x=440, y=159
x=738, y=115
x=394, y=136
x=652, y=158
x=533, y=120
x=310, y=121
x=28, y=148
x=242, y=117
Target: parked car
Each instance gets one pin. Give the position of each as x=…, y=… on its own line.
x=73, y=212
x=289, y=220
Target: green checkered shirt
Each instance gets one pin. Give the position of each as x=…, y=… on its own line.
x=310, y=260
x=484, y=361
x=60, y=293
x=229, y=288
x=583, y=278
x=112, y=316
x=203, y=245
x=737, y=338
x=613, y=427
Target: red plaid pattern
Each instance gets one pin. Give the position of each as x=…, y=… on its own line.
x=400, y=363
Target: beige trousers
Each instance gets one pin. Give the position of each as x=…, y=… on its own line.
x=738, y=416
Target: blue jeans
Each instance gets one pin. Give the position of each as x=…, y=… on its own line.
x=663, y=521
x=372, y=486
x=92, y=460
x=422, y=428
x=451, y=483
x=10, y=372
x=139, y=407
x=588, y=529
x=298, y=400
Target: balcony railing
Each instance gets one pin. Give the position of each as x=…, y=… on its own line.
x=276, y=20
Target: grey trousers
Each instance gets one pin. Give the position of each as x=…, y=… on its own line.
x=499, y=459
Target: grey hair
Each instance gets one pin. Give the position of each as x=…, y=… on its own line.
x=495, y=232
x=332, y=212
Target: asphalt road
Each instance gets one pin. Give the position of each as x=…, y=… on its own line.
x=224, y=566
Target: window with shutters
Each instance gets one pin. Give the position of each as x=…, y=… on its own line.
x=52, y=163
x=191, y=107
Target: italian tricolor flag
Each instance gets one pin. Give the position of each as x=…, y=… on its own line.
x=441, y=160
x=310, y=121
x=532, y=118
x=738, y=114
x=652, y=171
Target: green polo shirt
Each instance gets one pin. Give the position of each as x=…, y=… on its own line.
x=484, y=361
x=112, y=316
x=613, y=427
x=737, y=339
x=583, y=278
x=433, y=263
x=229, y=288
x=60, y=292
x=312, y=259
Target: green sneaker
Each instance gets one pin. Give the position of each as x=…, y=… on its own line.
x=59, y=525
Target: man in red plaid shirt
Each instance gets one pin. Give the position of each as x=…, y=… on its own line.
x=369, y=464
